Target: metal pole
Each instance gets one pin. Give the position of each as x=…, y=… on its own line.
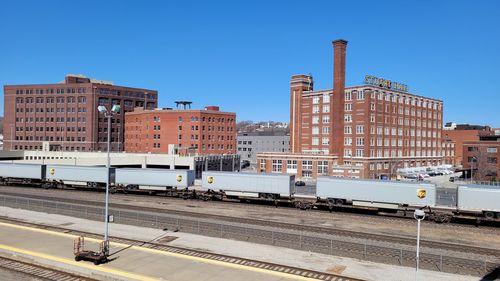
x=106, y=215
x=471, y=163
x=12, y=137
x=418, y=249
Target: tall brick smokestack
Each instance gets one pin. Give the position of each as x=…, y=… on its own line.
x=338, y=101
x=339, y=47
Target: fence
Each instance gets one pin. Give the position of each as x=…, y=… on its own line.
x=262, y=235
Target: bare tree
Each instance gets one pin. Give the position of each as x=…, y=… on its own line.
x=483, y=170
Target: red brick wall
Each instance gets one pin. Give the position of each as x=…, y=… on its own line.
x=461, y=136
x=41, y=107
x=482, y=167
x=210, y=132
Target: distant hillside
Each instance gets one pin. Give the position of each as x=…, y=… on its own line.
x=279, y=128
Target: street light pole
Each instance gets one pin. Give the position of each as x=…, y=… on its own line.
x=106, y=236
x=471, y=165
x=418, y=215
x=12, y=137
x=108, y=115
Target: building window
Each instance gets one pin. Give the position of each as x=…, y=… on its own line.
x=315, y=109
x=276, y=166
x=291, y=165
x=262, y=165
x=315, y=130
x=307, y=165
x=360, y=129
x=348, y=118
x=359, y=152
x=326, y=108
x=322, y=167
x=315, y=141
x=325, y=141
x=326, y=98
x=326, y=130
x=347, y=130
x=326, y=119
x=315, y=119
x=361, y=95
x=491, y=150
x=348, y=96
x=492, y=160
x=315, y=100
x=347, y=141
x=348, y=107
x=347, y=153
x=472, y=148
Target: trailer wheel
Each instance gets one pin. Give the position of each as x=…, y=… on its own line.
x=78, y=258
x=442, y=218
x=489, y=215
x=97, y=262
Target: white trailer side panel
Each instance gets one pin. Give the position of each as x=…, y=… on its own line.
x=376, y=191
x=478, y=198
x=249, y=182
x=24, y=171
x=79, y=173
x=155, y=177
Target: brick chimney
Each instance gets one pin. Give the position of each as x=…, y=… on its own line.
x=338, y=101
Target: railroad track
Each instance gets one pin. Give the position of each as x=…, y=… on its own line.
x=466, y=249
x=317, y=275
x=39, y=272
x=346, y=211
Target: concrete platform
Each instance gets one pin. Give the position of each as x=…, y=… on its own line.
x=135, y=263
x=190, y=269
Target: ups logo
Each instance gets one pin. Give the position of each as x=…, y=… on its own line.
x=178, y=178
x=52, y=171
x=421, y=193
x=210, y=179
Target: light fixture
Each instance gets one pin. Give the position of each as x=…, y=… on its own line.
x=116, y=108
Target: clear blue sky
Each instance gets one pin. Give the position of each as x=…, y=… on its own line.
x=240, y=54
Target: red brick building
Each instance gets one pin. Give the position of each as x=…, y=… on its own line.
x=483, y=155
x=64, y=115
x=463, y=133
x=371, y=129
x=201, y=132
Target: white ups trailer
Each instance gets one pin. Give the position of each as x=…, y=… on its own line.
x=270, y=186
x=154, y=179
x=80, y=175
x=476, y=198
x=376, y=193
x=22, y=171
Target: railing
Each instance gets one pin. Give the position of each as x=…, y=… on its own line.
x=318, y=243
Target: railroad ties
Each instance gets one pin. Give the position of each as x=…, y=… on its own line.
x=40, y=272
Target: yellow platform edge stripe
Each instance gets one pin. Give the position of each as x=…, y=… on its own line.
x=78, y=264
x=160, y=252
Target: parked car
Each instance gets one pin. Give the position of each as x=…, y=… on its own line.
x=411, y=176
x=300, y=183
x=452, y=179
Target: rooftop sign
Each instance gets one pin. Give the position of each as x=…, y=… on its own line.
x=383, y=83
